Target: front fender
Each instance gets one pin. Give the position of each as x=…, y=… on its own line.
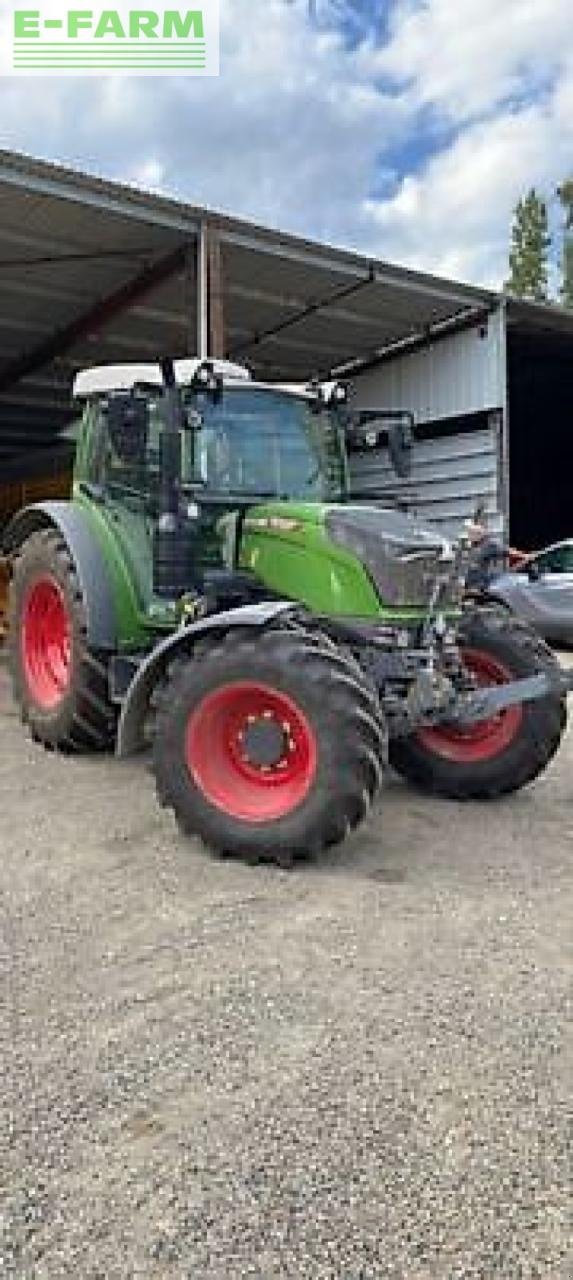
x=130, y=733
x=89, y=562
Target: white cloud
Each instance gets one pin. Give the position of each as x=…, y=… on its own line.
x=299, y=130
x=502, y=76
x=454, y=217
x=465, y=57
x=288, y=134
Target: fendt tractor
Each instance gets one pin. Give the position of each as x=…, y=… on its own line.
x=211, y=590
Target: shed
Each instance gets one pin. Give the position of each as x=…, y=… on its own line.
x=94, y=271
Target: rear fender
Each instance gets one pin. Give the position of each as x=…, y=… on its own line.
x=135, y=708
x=87, y=556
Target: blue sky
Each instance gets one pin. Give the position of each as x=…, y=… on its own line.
x=405, y=128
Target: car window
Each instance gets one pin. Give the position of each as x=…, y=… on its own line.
x=557, y=560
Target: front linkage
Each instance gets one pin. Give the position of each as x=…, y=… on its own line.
x=422, y=687
x=420, y=674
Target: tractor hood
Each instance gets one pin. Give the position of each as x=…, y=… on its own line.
x=345, y=559
x=402, y=556
x=360, y=528
x=355, y=527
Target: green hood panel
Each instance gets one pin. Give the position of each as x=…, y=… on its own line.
x=286, y=546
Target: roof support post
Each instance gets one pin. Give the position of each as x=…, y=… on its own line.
x=210, y=303
x=190, y=277
x=216, y=305
x=202, y=293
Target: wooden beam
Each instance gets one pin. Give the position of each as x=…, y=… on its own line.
x=96, y=317
x=215, y=295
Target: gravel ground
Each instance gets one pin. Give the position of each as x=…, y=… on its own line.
x=359, y=1069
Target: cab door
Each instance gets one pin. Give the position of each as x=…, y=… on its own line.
x=121, y=475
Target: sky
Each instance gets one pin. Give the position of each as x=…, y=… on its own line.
x=402, y=128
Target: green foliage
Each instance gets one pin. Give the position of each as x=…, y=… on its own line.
x=530, y=243
x=565, y=193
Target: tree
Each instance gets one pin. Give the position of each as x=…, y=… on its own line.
x=530, y=242
x=565, y=193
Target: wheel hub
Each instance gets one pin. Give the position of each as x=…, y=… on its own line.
x=264, y=742
x=252, y=751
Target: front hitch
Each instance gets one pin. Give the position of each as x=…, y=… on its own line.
x=482, y=704
x=434, y=701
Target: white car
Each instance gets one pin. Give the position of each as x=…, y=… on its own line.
x=541, y=591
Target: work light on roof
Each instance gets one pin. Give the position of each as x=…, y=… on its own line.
x=207, y=379
x=329, y=394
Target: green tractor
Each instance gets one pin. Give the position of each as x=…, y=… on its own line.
x=211, y=590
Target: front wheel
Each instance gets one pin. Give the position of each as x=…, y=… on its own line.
x=269, y=747
x=503, y=753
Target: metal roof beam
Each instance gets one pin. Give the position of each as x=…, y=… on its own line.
x=311, y=309
x=15, y=235
x=64, y=187
x=28, y=290
x=341, y=263
x=426, y=337
x=157, y=314
x=291, y=344
x=76, y=255
x=289, y=303
x=96, y=317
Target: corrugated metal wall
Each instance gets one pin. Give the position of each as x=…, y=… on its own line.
x=457, y=376
x=449, y=476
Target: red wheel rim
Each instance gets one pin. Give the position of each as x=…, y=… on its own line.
x=218, y=758
x=46, y=643
x=486, y=738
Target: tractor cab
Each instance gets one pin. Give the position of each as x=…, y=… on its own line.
x=174, y=463
x=237, y=440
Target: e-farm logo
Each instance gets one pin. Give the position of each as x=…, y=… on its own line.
x=168, y=39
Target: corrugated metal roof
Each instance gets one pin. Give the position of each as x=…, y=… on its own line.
x=70, y=242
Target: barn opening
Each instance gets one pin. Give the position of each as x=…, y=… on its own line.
x=540, y=397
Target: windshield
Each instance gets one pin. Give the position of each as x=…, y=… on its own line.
x=251, y=444
x=263, y=443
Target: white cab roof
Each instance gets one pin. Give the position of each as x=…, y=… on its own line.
x=106, y=378
x=123, y=377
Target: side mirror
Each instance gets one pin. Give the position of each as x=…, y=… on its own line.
x=370, y=428
x=400, y=440
x=127, y=427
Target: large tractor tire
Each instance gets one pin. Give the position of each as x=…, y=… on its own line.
x=270, y=747
x=59, y=683
x=495, y=756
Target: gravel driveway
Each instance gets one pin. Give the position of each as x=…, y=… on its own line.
x=358, y=1069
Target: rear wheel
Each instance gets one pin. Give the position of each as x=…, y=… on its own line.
x=269, y=747
x=506, y=751
x=59, y=683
